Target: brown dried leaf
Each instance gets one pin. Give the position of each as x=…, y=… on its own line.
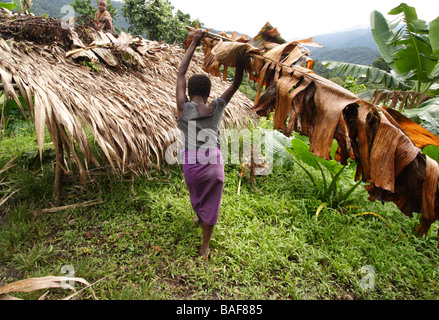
x=34, y=284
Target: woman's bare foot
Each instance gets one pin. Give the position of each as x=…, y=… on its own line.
x=205, y=253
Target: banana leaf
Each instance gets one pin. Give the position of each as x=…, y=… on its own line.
x=277, y=142
x=8, y=6
x=414, y=54
x=432, y=152
x=434, y=35
x=390, y=80
x=382, y=32
x=427, y=115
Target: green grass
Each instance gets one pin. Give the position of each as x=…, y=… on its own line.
x=268, y=244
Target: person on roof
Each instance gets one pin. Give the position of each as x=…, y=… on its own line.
x=103, y=18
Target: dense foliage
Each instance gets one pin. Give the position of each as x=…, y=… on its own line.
x=155, y=20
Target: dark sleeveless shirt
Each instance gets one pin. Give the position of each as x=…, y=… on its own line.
x=199, y=131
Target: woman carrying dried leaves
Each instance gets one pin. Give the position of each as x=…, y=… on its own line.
x=200, y=124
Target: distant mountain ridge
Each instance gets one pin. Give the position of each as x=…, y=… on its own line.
x=347, y=39
x=352, y=46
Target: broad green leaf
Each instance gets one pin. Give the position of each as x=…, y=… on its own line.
x=301, y=150
x=372, y=74
x=412, y=49
x=414, y=24
x=434, y=89
x=432, y=152
x=427, y=115
x=8, y=6
x=434, y=35
x=431, y=123
x=381, y=31
x=416, y=56
x=277, y=142
x=329, y=191
x=409, y=12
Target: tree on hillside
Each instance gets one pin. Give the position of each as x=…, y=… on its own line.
x=155, y=20
x=380, y=63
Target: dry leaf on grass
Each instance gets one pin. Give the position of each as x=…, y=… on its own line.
x=35, y=284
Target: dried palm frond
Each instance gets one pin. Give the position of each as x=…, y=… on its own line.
x=385, y=144
x=6, y=190
x=267, y=34
x=36, y=284
x=226, y=53
x=399, y=99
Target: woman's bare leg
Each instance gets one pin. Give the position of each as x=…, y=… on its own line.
x=207, y=235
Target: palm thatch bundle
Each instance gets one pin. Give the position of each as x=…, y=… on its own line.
x=128, y=105
x=385, y=145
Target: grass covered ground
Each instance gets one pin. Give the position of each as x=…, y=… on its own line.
x=141, y=242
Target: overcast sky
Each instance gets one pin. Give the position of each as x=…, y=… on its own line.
x=295, y=19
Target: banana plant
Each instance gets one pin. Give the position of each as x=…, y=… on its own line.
x=410, y=50
x=375, y=75
x=409, y=46
x=333, y=176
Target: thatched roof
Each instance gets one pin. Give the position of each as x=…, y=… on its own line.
x=128, y=105
x=384, y=143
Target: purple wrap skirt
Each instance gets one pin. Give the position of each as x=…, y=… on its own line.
x=204, y=175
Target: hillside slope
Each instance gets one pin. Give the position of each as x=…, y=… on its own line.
x=347, y=39
x=358, y=55
x=353, y=46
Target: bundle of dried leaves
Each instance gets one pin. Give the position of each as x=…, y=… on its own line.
x=385, y=144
